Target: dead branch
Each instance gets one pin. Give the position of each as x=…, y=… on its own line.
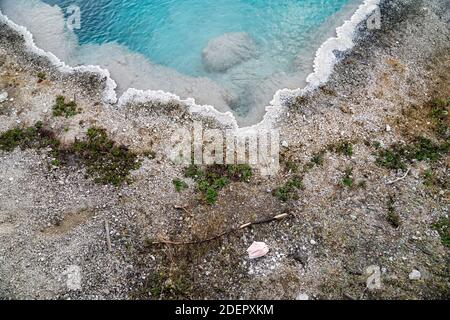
x=243, y=226
x=401, y=178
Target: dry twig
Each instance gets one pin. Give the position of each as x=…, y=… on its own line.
x=243, y=226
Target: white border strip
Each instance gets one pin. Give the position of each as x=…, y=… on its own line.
x=324, y=63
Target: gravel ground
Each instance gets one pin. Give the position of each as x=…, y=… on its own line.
x=52, y=219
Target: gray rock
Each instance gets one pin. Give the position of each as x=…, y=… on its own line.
x=3, y=96
x=227, y=51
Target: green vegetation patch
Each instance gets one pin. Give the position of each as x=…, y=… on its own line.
x=105, y=161
x=41, y=76
x=443, y=228
x=180, y=185
x=211, y=179
x=318, y=158
x=421, y=149
x=393, y=158
x=161, y=285
x=291, y=166
x=347, y=180
x=289, y=191
x=425, y=150
x=63, y=109
x=439, y=116
x=35, y=137
x=343, y=148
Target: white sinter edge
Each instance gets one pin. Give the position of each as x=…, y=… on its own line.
x=109, y=95
x=324, y=63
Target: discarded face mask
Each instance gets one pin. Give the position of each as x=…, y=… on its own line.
x=257, y=250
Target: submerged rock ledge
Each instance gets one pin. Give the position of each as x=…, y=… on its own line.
x=349, y=199
x=227, y=51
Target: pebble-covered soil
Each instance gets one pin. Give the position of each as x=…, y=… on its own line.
x=363, y=184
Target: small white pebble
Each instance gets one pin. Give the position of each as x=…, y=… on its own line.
x=415, y=275
x=302, y=297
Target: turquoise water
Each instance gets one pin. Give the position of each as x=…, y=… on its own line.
x=173, y=33
x=275, y=41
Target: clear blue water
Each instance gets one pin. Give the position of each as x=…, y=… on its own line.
x=174, y=33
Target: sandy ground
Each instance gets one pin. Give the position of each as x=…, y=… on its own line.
x=53, y=220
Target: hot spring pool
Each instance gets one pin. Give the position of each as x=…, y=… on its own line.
x=232, y=54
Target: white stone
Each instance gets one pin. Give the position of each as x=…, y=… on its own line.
x=388, y=128
x=302, y=297
x=3, y=96
x=313, y=242
x=415, y=275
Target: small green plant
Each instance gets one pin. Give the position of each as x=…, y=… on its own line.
x=180, y=185
x=289, y=191
x=392, y=216
x=55, y=162
x=193, y=172
x=442, y=226
x=61, y=108
x=318, y=158
x=211, y=196
x=240, y=172
x=376, y=144
x=160, y=285
x=347, y=180
x=393, y=158
x=428, y=178
x=291, y=166
x=439, y=115
x=211, y=179
x=343, y=148
x=41, y=76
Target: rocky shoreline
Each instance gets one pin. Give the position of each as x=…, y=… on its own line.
x=354, y=209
